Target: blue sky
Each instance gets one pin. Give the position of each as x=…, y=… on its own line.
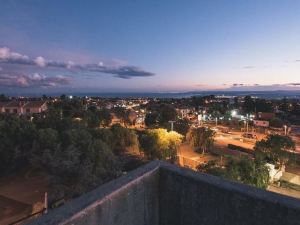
x=149, y=45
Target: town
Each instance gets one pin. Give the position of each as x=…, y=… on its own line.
x=48, y=143
x=149, y=112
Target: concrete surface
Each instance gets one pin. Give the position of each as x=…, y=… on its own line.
x=163, y=194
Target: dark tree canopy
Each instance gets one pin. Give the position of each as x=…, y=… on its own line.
x=244, y=170
x=201, y=138
x=274, y=149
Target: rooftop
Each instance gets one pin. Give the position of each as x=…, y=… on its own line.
x=34, y=104
x=163, y=194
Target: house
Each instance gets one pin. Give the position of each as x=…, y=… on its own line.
x=2, y=104
x=15, y=107
x=265, y=116
x=35, y=107
x=261, y=123
x=20, y=107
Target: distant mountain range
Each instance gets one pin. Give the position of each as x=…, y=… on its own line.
x=262, y=94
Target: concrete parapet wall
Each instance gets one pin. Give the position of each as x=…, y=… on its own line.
x=190, y=198
x=163, y=194
x=131, y=199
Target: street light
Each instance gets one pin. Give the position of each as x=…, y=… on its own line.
x=233, y=113
x=199, y=119
x=285, y=130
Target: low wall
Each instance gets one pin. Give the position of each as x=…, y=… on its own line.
x=131, y=199
x=190, y=198
x=163, y=194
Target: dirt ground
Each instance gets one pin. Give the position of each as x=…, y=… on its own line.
x=21, y=195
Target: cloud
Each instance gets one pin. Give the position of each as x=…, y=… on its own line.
x=264, y=87
x=236, y=85
x=124, y=71
x=13, y=57
x=294, y=84
x=248, y=67
x=40, y=61
x=33, y=80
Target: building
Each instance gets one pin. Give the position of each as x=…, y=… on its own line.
x=265, y=116
x=2, y=104
x=15, y=107
x=35, y=107
x=261, y=123
x=163, y=194
x=21, y=107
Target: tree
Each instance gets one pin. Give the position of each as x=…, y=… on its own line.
x=236, y=102
x=16, y=138
x=92, y=118
x=276, y=122
x=201, y=138
x=182, y=126
x=151, y=119
x=160, y=144
x=74, y=170
x=3, y=98
x=130, y=117
x=274, y=149
x=105, y=117
x=295, y=109
x=120, y=112
x=245, y=171
x=249, y=104
x=284, y=105
x=47, y=138
x=261, y=105
x=123, y=139
x=166, y=113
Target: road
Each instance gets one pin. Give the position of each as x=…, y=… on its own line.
x=223, y=139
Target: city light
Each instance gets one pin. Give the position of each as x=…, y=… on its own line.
x=233, y=113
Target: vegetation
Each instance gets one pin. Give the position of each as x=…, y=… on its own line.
x=274, y=149
x=201, y=138
x=245, y=171
x=160, y=144
x=240, y=148
x=68, y=145
x=160, y=115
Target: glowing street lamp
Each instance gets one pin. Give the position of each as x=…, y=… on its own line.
x=233, y=113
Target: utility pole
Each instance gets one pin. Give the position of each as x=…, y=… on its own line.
x=172, y=124
x=247, y=124
x=285, y=130
x=46, y=202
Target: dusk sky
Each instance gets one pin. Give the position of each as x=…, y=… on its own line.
x=149, y=45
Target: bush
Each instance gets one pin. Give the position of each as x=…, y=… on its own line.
x=239, y=148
